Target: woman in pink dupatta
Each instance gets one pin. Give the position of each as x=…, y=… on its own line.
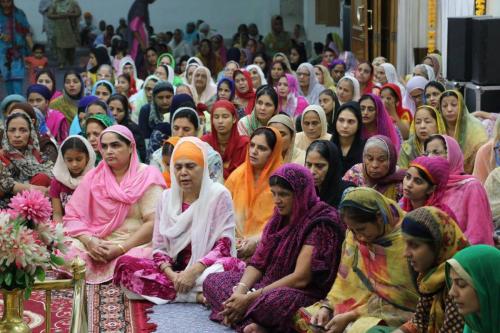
x=39, y=96
x=377, y=121
x=464, y=194
x=111, y=212
x=425, y=184
x=290, y=102
x=194, y=234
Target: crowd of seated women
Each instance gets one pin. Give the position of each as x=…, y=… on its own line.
x=307, y=201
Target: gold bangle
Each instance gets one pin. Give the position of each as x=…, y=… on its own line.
x=122, y=248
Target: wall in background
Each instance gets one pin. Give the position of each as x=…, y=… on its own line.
x=224, y=16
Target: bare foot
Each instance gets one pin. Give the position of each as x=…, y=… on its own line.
x=200, y=299
x=254, y=328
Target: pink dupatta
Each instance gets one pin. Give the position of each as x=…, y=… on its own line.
x=456, y=159
x=57, y=124
x=385, y=125
x=467, y=198
x=99, y=204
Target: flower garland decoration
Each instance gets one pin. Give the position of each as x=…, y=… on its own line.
x=480, y=7
x=431, y=25
x=30, y=242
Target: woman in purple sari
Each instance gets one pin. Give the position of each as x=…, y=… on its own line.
x=294, y=264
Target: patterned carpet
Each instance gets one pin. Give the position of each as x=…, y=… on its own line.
x=34, y=311
x=185, y=318
x=110, y=311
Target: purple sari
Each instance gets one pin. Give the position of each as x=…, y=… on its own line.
x=313, y=223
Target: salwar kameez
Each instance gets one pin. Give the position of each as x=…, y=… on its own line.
x=144, y=277
x=102, y=272
x=313, y=223
x=273, y=309
x=185, y=234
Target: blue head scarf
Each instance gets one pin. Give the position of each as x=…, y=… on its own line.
x=231, y=85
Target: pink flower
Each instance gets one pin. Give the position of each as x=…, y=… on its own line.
x=10, y=212
x=32, y=205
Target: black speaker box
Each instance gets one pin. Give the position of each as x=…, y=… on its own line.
x=346, y=22
x=477, y=98
x=485, y=50
x=459, y=53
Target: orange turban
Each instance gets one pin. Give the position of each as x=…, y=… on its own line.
x=190, y=151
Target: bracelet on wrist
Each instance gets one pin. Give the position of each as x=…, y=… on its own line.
x=121, y=248
x=326, y=306
x=241, y=284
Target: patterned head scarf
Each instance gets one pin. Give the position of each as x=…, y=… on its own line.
x=432, y=226
x=25, y=163
x=394, y=175
x=372, y=201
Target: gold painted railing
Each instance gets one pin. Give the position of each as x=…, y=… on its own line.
x=77, y=283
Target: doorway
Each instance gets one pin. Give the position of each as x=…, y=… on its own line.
x=374, y=29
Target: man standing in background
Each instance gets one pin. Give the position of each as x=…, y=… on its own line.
x=15, y=44
x=43, y=9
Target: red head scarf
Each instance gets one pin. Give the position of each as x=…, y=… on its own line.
x=250, y=94
x=402, y=112
x=235, y=151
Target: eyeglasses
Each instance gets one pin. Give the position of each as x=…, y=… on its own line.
x=435, y=153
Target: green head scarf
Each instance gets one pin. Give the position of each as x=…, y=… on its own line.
x=163, y=55
x=478, y=265
x=105, y=121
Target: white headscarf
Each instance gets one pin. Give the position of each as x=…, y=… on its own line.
x=208, y=219
x=263, y=79
x=301, y=139
x=355, y=83
x=61, y=171
x=128, y=60
x=194, y=60
x=140, y=98
x=315, y=88
x=184, y=75
x=210, y=88
x=431, y=76
x=416, y=82
x=392, y=75
x=170, y=74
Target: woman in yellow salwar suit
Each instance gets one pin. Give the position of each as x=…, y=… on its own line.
x=374, y=283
